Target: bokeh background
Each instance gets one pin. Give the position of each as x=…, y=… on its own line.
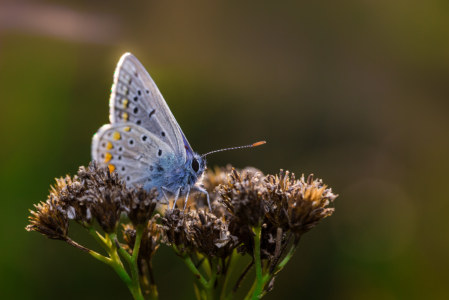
x=355, y=92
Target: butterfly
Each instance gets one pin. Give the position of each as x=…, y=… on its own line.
x=144, y=143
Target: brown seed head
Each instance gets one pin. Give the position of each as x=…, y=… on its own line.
x=296, y=205
x=50, y=220
x=150, y=239
x=210, y=235
x=140, y=204
x=242, y=196
x=175, y=229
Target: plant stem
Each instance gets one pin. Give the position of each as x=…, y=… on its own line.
x=189, y=263
x=153, y=288
x=101, y=240
x=133, y=265
x=213, y=277
x=113, y=260
x=242, y=277
x=286, y=259
x=232, y=262
x=248, y=296
x=132, y=260
x=100, y=257
x=257, y=259
x=116, y=264
x=268, y=276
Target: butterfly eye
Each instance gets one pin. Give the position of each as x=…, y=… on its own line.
x=195, y=165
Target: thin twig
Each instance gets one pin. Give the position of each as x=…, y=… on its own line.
x=240, y=280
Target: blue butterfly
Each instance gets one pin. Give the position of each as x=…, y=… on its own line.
x=144, y=143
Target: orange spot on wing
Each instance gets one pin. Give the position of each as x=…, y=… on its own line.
x=125, y=103
x=107, y=157
x=116, y=135
x=111, y=168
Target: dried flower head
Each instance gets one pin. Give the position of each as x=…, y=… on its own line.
x=297, y=205
x=104, y=195
x=213, y=178
x=95, y=177
x=210, y=235
x=50, y=220
x=75, y=195
x=69, y=193
x=150, y=239
x=106, y=205
x=242, y=196
x=140, y=204
x=175, y=229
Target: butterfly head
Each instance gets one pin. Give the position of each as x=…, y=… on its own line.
x=197, y=165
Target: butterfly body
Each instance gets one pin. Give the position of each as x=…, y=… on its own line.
x=177, y=177
x=144, y=143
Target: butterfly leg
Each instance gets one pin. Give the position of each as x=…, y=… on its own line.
x=187, y=197
x=176, y=197
x=165, y=195
x=164, y=189
x=201, y=190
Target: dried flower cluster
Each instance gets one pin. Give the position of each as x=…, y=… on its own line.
x=251, y=214
x=152, y=235
x=199, y=231
x=296, y=205
x=50, y=220
x=97, y=194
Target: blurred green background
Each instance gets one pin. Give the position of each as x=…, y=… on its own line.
x=355, y=92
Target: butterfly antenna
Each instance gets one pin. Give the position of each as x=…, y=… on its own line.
x=247, y=146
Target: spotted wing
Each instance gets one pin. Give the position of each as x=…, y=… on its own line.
x=138, y=155
x=136, y=99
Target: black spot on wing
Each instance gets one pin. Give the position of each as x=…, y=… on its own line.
x=151, y=113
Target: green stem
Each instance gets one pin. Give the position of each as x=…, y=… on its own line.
x=232, y=262
x=115, y=263
x=189, y=263
x=134, y=267
x=248, y=296
x=109, y=244
x=286, y=259
x=267, y=277
x=153, y=288
x=100, y=257
x=257, y=259
x=132, y=260
x=101, y=240
x=213, y=277
x=121, y=271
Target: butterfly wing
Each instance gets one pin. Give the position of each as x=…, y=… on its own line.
x=139, y=156
x=136, y=99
